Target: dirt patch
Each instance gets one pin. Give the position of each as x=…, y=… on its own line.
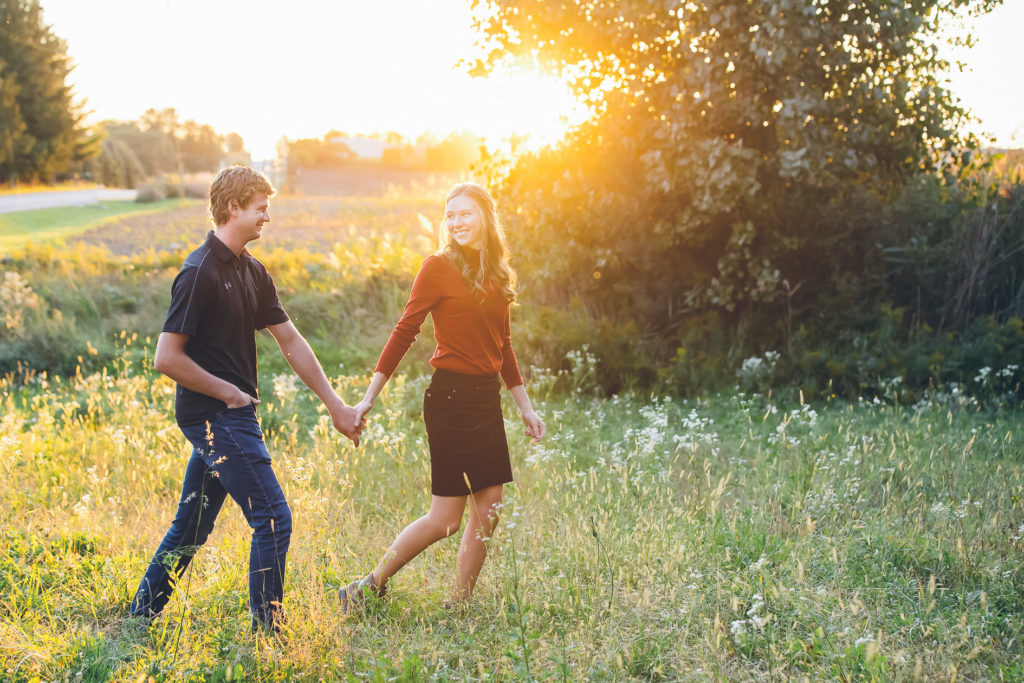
x=309, y=223
x=371, y=181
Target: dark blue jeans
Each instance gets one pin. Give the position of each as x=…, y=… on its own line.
x=228, y=458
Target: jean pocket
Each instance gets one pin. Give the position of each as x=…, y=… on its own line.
x=240, y=423
x=241, y=415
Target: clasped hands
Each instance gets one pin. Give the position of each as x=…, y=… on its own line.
x=347, y=420
x=350, y=420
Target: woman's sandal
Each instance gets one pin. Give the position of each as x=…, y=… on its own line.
x=356, y=594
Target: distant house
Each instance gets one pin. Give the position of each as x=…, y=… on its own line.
x=381, y=151
x=365, y=149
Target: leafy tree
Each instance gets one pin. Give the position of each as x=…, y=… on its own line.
x=200, y=147
x=38, y=118
x=88, y=146
x=160, y=146
x=234, y=143
x=149, y=147
x=235, y=150
x=323, y=152
x=159, y=143
x=739, y=157
x=457, y=152
x=117, y=165
x=14, y=144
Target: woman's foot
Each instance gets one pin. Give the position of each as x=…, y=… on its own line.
x=455, y=604
x=356, y=594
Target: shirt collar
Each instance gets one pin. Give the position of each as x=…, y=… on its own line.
x=222, y=250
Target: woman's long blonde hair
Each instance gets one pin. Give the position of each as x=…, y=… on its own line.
x=494, y=253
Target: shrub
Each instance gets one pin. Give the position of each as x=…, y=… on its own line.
x=32, y=332
x=150, y=192
x=174, y=185
x=197, y=190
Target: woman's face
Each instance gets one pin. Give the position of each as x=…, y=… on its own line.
x=465, y=224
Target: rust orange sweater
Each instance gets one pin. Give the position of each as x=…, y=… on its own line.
x=472, y=337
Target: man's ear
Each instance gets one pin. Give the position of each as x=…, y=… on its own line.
x=233, y=207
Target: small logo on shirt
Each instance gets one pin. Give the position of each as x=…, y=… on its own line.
x=227, y=285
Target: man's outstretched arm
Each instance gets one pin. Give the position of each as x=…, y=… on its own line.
x=171, y=360
x=300, y=356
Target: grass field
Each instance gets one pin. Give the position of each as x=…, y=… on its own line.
x=297, y=224
x=727, y=538
x=730, y=537
x=43, y=225
x=342, y=266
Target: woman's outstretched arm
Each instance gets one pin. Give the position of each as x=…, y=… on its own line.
x=422, y=298
x=376, y=384
x=534, y=425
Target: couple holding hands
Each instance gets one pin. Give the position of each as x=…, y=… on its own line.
x=222, y=296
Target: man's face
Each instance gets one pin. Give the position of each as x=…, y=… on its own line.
x=251, y=217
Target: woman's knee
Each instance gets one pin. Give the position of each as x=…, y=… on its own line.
x=487, y=507
x=445, y=523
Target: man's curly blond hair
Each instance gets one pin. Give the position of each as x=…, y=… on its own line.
x=235, y=183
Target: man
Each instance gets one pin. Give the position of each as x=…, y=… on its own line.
x=220, y=298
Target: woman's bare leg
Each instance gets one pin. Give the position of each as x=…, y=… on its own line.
x=443, y=519
x=483, y=517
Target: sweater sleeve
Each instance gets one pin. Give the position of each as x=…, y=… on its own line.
x=424, y=296
x=509, y=364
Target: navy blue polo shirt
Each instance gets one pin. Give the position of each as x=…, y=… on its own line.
x=220, y=300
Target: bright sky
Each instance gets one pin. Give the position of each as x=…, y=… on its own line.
x=264, y=68
x=990, y=85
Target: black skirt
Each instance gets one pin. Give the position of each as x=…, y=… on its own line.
x=466, y=432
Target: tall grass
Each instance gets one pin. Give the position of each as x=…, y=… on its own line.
x=730, y=537
x=736, y=536
x=343, y=269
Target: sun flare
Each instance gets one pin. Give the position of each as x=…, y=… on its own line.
x=355, y=67
x=533, y=105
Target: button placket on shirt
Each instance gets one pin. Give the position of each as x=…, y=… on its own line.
x=248, y=287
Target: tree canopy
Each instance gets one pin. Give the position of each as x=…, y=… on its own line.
x=159, y=142
x=39, y=120
x=740, y=157
x=41, y=132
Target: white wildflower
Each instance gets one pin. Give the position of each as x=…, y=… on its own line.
x=286, y=387
x=81, y=508
x=760, y=564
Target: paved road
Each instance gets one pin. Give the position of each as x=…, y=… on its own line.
x=46, y=200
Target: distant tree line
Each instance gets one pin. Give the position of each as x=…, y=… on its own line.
x=456, y=152
x=159, y=143
x=782, y=177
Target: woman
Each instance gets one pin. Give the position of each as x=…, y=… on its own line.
x=468, y=288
